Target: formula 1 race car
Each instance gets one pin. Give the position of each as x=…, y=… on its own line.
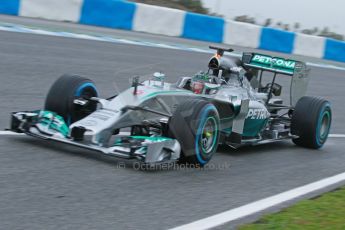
x=187, y=120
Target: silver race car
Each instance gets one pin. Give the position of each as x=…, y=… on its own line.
x=156, y=122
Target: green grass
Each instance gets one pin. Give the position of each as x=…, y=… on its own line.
x=325, y=212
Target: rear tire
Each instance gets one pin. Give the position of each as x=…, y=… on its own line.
x=195, y=124
x=311, y=121
x=60, y=98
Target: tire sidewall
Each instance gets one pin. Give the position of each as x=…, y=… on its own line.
x=307, y=122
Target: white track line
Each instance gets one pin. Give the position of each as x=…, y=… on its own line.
x=257, y=206
x=337, y=135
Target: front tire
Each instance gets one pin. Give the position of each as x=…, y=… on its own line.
x=60, y=98
x=311, y=121
x=195, y=124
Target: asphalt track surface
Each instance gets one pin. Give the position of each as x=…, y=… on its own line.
x=45, y=185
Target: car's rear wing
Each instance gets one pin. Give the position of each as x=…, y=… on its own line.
x=297, y=69
x=268, y=63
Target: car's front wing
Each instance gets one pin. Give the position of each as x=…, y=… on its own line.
x=49, y=126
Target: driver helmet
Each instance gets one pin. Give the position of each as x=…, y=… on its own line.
x=199, y=81
x=198, y=87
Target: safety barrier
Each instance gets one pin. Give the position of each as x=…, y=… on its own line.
x=126, y=15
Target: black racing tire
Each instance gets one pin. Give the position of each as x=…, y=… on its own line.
x=311, y=121
x=64, y=91
x=195, y=124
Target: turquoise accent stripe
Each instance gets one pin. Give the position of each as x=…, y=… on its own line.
x=159, y=93
x=83, y=86
x=253, y=126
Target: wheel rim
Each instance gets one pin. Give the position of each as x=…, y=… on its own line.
x=324, y=125
x=209, y=135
